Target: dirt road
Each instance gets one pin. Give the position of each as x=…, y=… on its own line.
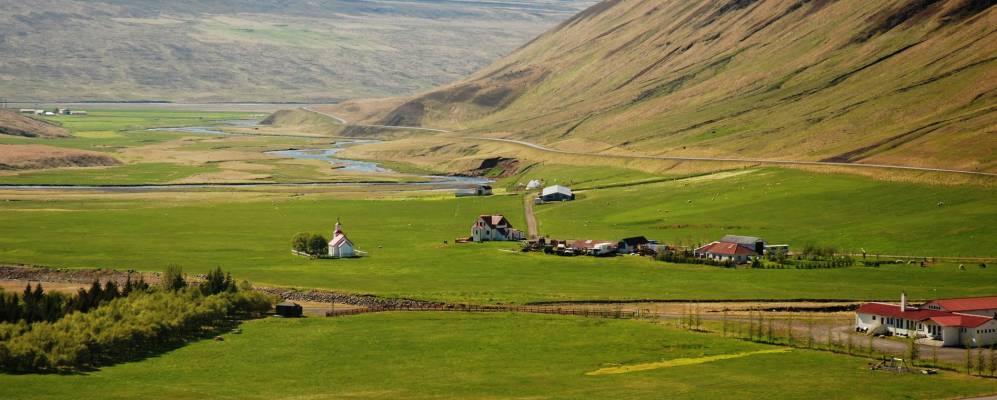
x=531, y=219
x=740, y=160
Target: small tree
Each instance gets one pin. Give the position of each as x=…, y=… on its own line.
x=215, y=282
x=300, y=242
x=913, y=351
x=723, y=318
x=969, y=361
x=317, y=244
x=981, y=362
x=993, y=361
x=173, y=278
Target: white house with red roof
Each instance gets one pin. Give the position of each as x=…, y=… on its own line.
x=725, y=251
x=340, y=246
x=968, y=322
x=494, y=228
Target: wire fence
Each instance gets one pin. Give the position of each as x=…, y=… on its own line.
x=583, y=312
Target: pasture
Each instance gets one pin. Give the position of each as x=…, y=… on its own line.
x=404, y=236
x=790, y=206
x=483, y=356
x=158, y=157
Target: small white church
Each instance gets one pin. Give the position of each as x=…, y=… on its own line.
x=340, y=246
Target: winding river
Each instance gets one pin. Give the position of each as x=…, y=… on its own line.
x=448, y=182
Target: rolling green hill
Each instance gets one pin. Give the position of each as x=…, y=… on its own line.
x=242, y=50
x=901, y=81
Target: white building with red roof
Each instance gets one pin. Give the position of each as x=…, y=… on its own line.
x=494, y=228
x=340, y=246
x=968, y=322
x=726, y=251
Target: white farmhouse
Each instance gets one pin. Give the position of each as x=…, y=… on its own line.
x=340, y=246
x=494, y=228
x=967, y=322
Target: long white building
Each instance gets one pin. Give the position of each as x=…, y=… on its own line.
x=965, y=322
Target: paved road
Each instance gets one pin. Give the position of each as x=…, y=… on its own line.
x=531, y=219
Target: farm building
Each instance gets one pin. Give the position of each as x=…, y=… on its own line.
x=494, y=228
x=340, y=246
x=555, y=193
x=966, y=322
x=755, y=244
x=480, y=190
x=632, y=244
x=594, y=247
x=533, y=184
x=726, y=251
x=289, y=309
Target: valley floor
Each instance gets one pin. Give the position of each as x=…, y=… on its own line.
x=408, y=233
x=427, y=355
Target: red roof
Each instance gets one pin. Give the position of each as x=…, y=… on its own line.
x=961, y=320
x=494, y=220
x=893, y=310
x=966, y=303
x=727, y=249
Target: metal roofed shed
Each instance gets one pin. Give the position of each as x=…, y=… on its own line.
x=289, y=309
x=555, y=193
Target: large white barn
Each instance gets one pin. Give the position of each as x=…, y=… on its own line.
x=966, y=322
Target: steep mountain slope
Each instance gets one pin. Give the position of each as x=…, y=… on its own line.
x=898, y=81
x=14, y=124
x=245, y=50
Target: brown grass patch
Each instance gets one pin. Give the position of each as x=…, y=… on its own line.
x=34, y=156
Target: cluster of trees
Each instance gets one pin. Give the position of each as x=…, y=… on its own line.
x=39, y=306
x=313, y=244
x=128, y=327
x=803, y=263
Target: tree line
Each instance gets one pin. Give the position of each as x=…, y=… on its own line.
x=126, y=327
x=36, y=305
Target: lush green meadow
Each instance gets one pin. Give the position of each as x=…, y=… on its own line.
x=848, y=212
x=407, y=257
x=433, y=355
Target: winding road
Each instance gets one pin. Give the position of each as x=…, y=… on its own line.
x=672, y=158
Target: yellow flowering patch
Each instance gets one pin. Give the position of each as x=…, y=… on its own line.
x=678, y=362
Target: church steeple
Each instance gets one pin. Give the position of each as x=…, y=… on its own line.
x=339, y=228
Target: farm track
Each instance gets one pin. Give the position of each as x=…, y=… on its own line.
x=673, y=158
x=531, y=218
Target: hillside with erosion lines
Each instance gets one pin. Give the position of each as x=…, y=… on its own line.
x=903, y=82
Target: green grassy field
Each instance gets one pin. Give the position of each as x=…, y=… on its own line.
x=789, y=206
x=480, y=356
x=407, y=257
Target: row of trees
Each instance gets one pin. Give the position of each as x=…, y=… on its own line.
x=36, y=305
x=144, y=321
x=313, y=244
x=687, y=257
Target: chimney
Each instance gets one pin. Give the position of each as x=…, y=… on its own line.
x=903, y=301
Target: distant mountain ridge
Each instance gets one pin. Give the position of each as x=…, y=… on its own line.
x=259, y=51
x=900, y=81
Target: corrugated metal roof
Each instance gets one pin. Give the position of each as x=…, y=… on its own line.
x=549, y=190
x=966, y=303
x=961, y=320
x=743, y=240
